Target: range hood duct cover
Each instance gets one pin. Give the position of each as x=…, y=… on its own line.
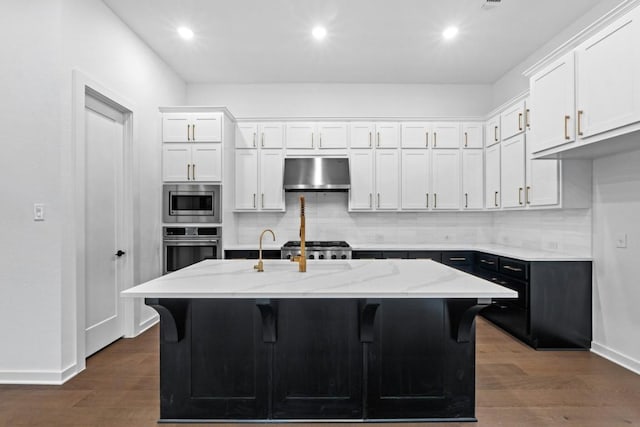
x=316, y=174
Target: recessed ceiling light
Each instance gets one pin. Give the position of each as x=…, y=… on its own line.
x=185, y=33
x=450, y=32
x=319, y=33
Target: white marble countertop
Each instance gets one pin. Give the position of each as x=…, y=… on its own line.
x=523, y=254
x=323, y=279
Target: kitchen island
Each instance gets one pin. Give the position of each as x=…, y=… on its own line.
x=368, y=340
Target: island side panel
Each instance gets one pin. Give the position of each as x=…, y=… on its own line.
x=416, y=368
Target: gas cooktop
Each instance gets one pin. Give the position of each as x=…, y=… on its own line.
x=317, y=244
x=316, y=249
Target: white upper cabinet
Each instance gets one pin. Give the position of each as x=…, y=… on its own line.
x=512, y=120
x=608, y=87
x=192, y=127
x=246, y=172
x=513, y=172
x=176, y=162
x=246, y=135
x=193, y=162
x=362, y=134
x=415, y=179
x=492, y=131
x=543, y=181
x=387, y=135
x=361, y=191
x=301, y=135
x=552, y=105
x=446, y=135
x=492, y=177
x=271, y=175
x=472, y=179
x=387, y=179
x=446, y=179
x=271, y=135
x=332, y=135
x=415, y=134
x=472, y=135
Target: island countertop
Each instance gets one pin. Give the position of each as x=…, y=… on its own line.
x=390, y=278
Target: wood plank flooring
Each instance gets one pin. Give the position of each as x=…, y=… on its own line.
x=516, y=386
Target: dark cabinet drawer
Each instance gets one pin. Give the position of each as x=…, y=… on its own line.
x=367, y=255
x=454, y=258
x=514, y=268
x=251, y=254
x=434, y=255
x=395, y=255
x=486, y=261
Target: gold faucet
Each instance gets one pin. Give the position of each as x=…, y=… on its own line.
x=260, y=265
x=302, y=258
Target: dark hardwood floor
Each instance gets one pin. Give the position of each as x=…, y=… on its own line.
x=516, y=386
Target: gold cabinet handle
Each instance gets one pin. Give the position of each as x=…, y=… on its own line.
x=193, y=171
x=262, y=140
x=262, y=202
x=188, y=172
x=369, y=139
x=466, y=139
x=370, y=200
x=580, y=113
x=427, y=199
x=254, y=140
x=254, y=200
x=378, y=200
x=495, y=199
x=520, y=121
x=495, y=133
x=193, y=132
x=435, y=141
x=378, y=142
x=527, y=115
x=320, y=140
x=526, y=196
x=435, y=196
x=520, y=195
x=426, y=139
x=311, y=139
x=188, y=132
x=566, y=127
x=466, y=200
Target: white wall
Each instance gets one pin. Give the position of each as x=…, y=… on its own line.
x=344, y=100
x=50, y=38
x=616, y=211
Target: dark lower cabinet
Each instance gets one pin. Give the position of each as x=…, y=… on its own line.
x=317, y=360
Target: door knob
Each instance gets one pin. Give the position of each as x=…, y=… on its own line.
x=120, y=253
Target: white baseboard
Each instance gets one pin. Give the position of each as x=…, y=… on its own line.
x=38, y=377
x=617, y=358
x=148, y=323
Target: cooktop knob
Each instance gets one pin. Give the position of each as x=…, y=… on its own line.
x=289, y=256
x=312, y=256
x=321, y=257
x=334, y=257
x=343, y=257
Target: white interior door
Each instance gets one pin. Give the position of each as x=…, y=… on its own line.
x=104, y=132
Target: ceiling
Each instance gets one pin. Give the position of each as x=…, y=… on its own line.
x=368, y=41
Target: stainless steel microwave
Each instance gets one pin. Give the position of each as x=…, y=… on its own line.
x=192, y=203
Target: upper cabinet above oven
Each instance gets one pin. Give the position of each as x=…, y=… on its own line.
x=192, y=127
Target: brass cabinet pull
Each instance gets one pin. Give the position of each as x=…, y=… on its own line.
x=520, y=121
x=370, y=200
x=320, y=140
x=508, y=267
x=466, y=139
x=427, y=199
x=311, y=139
x=495, y=133
x=378, y=199
x=262, y=203
x=526, y=196
x=484, y=261
x=520, y=195
x=262, y=140
x=435, y=196
x=466, y=200
x=580, y=113
x=188, y=132
x=193, y=132
x=369, y=139
x=254, y=200
x=566, y=127
x=435, y=139
x=495, y=199
x=378, y=142
x=193, y=171
x=254, y=140
x=188, y=172
x=426, y=139
x=527, y=115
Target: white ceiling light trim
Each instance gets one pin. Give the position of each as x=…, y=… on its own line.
x=450, y=33
x=185, y=33
x=319, y=32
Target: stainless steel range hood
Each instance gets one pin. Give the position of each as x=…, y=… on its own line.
x=316, y=174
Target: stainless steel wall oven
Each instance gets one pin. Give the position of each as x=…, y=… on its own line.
x=183, y=246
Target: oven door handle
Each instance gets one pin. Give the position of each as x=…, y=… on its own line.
x=183, y=242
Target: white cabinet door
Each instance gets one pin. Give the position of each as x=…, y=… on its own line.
x=472, y=135
x=472, y=179
x=206, y=162
x=387, y=179
x=387, y=135
x=246, y=135
x=552, y=105
x=176, y=127
x=609, y=77
x=206, y=127
x=415, y=179
x=513, y=173
x=446, y=135
x=332, y=135
x=492, y=177
x=492, y=131
x=300, y=135
x=362, y=134
x=271, y=174
x=446, y=179
x=176, y=162
x=246, y=173
x=361, y=168
x=543, y=180
x=415, y=134
x=512, y=120
x=271, y=135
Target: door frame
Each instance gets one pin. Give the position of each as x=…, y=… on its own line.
x=83, y=85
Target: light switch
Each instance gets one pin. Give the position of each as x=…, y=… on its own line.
x=38, y=212
x=621, y=240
